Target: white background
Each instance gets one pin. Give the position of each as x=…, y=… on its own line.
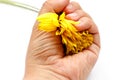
x=15, y=30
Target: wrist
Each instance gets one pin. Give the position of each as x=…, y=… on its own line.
x=38, y=73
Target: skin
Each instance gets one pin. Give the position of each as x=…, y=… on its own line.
x=45, y=56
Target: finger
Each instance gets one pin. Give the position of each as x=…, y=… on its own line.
x=91, y=54
x=54, y=6
x=76, y=15
x=87, y=24
x=71, y=7
x=90, y=57
x=96, y=39
x=94, y=48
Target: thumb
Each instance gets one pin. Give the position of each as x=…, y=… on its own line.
x=56, y=6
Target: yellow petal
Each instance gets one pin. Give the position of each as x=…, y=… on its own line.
x=48, y=22
x=62, y=16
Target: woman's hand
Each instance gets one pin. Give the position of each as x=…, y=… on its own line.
x=45, y=57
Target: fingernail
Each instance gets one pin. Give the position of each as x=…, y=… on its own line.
x=73, y=16
x=69, y=6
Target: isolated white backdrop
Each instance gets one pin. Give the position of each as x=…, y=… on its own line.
x=15, y=30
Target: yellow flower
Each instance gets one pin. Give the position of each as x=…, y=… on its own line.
x=73, y=40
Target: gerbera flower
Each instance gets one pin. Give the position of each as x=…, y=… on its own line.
x=73, y=40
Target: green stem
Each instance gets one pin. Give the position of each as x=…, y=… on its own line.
x=21, y=5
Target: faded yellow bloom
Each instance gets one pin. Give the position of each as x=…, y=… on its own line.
x=73, y=40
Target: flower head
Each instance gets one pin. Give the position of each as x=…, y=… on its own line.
x=73, y=40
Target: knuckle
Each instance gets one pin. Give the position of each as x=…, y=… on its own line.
x=82, y=13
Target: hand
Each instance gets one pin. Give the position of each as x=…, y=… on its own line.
x=45, y=57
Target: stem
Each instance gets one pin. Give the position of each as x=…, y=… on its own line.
x=21, y=5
